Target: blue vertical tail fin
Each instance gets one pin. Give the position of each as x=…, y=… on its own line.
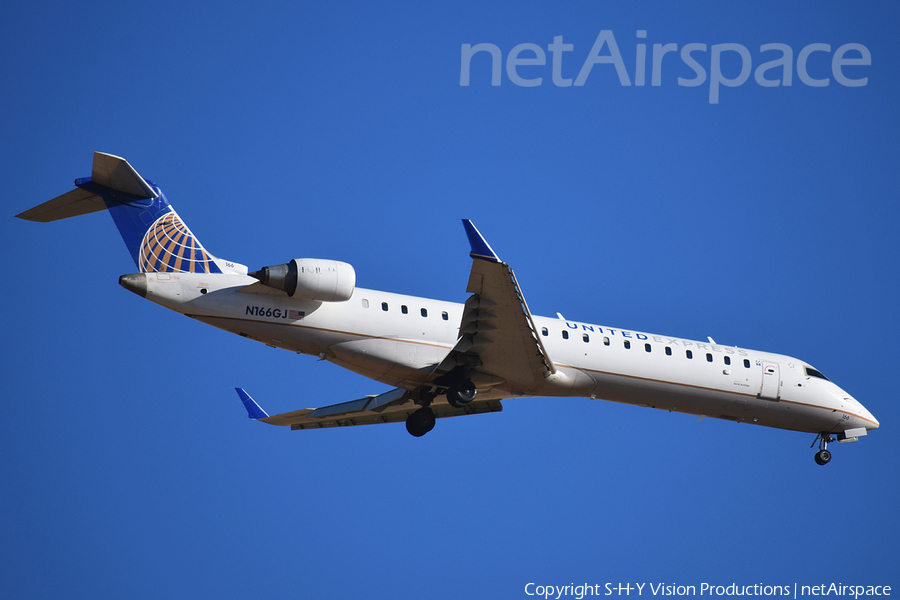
x=156, y=238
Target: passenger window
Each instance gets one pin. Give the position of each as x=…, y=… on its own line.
x=627, y=345
x=544, y=331
x=365, y=303
x=647, y=347
x=689, y=354
x=727, y=360
x=424, y=312
x=746, y=363
x=384, y=306
x=668, y=351
x=403, y=309
x=445, y=316
x=708, y=357
x=605, y=341
x=565, y=334
x=585, y=337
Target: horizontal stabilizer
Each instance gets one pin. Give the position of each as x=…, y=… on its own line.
x=108, y=171
x=71, y=204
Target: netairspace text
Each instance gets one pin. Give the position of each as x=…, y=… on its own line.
x=715, y=62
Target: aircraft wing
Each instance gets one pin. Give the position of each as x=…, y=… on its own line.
x=498, y=346
x=498, y=338
x=391, y=407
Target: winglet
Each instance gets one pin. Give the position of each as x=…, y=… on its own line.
x=480, y=248
x=253, y=409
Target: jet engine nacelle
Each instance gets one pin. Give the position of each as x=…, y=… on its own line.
x=311, y=279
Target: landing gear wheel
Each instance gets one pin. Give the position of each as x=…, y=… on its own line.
x=823, y=456
x=461, y=393
x=420, y=422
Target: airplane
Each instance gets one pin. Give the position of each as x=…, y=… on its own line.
x=445, y=359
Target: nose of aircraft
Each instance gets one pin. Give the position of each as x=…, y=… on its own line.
x=861, y=412
x=871, y=421
x=874, y=424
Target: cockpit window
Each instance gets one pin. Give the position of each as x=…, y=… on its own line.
x=810, y=372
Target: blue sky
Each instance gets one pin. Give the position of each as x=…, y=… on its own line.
x=282, y=130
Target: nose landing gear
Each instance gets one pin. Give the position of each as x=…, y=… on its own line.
x=823, y=456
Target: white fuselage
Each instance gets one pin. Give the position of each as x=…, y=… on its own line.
x=398, y=340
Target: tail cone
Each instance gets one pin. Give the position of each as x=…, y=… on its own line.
x=135, y=282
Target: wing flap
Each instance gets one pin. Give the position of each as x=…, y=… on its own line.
x=368, y=403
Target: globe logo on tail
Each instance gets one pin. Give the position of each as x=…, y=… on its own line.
x=170, y=247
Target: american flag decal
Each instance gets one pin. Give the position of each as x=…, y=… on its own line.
x=296, y=315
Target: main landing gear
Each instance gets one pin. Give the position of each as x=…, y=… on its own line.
x=823, y=456
x=420, y=422
x=460, y=393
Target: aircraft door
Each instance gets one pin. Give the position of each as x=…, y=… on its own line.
x=771, y=381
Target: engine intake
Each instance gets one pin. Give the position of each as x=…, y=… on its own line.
x=311, y=279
